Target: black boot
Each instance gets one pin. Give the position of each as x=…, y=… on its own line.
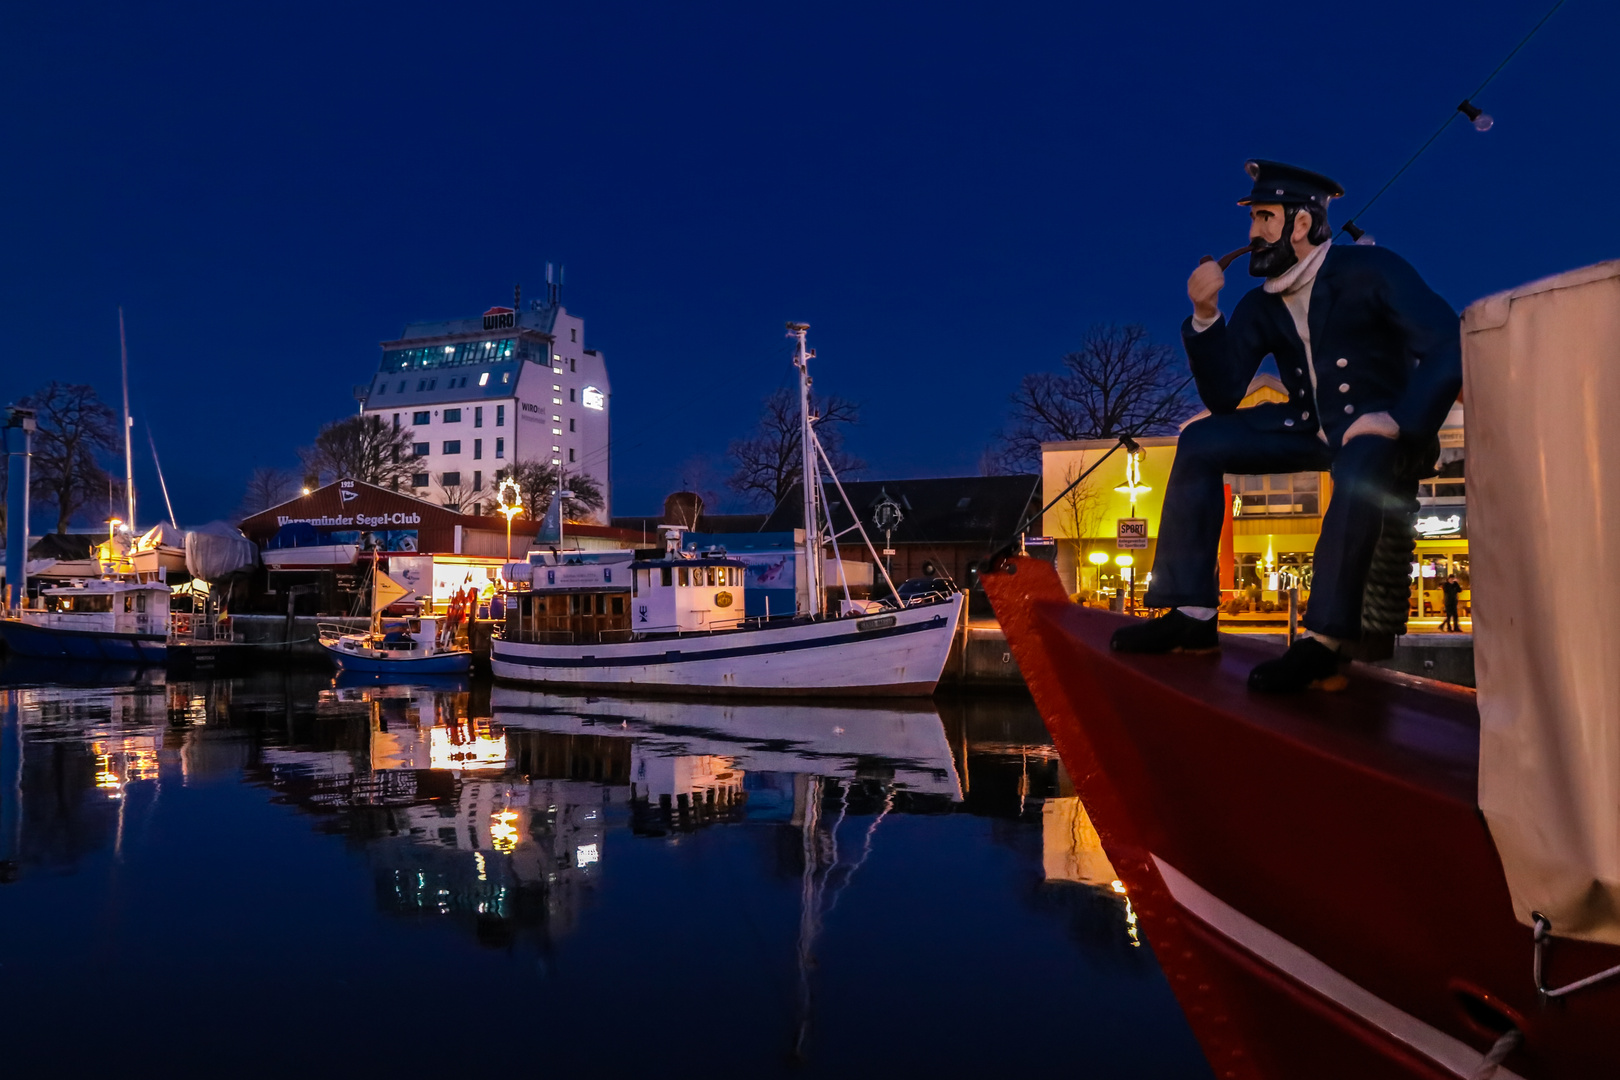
x=1172, y=632
x=1307, y=665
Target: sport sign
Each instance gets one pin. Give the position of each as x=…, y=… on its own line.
x=1133, y=534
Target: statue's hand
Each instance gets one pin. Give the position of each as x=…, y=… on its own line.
x=1204, y=288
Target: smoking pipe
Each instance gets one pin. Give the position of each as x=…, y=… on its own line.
x=1226, y=260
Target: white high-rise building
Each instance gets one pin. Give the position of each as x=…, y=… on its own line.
x=482, y=393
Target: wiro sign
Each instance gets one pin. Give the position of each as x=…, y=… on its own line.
x=500, y=318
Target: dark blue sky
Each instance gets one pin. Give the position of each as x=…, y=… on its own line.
x=948, y=193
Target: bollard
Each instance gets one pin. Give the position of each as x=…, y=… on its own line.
x=1293, y=614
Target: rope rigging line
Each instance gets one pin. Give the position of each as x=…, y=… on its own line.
x=1349, y=228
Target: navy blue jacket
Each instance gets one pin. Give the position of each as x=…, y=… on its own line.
x=1381, y=341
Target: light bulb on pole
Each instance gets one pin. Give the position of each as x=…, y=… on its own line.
x=509, y=501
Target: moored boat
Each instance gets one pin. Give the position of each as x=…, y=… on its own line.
x=101, y=620
x=677, y=623
x=422, y=646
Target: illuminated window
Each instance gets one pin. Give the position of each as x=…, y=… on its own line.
x=683, y=577
x=556, y=431
x=556, y=461
x=483, y=380
x=1285, y=493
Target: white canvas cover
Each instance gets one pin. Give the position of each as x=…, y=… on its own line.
x=161, y=535
x=1541, y=368
x=217, y=549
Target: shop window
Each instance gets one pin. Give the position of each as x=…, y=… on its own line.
x=1279, y=494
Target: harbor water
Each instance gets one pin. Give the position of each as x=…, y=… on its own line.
x=290, y=874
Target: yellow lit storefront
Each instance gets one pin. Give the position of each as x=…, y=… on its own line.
x=1275, y=521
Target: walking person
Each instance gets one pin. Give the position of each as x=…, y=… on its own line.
x=1453, y=592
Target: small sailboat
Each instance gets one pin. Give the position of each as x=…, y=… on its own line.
x=393, y=646
x=676, y=623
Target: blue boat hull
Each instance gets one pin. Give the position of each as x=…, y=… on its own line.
x=446, y=664
x=50, y=643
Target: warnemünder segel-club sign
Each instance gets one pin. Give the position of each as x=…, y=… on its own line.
x=344, y=521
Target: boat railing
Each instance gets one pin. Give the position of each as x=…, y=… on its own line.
x=187, y=626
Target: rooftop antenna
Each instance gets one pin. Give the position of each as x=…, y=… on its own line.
x=517, y=297
x=552, y=287
x=129, y=460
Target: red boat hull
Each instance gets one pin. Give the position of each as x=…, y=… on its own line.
x=1312, y=872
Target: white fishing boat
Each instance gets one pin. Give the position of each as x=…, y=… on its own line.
x=103, y=620
x=676, y=623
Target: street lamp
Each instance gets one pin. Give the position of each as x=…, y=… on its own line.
x=1125, y=562
x=1133, y=485
x=511, y=505
x=1098, y=560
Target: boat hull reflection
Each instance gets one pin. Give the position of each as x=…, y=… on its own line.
x=904, y=744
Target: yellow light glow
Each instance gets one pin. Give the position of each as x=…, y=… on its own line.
x=1123, y=560
x=503, y=832
x=306, y=491
x=1098, y=557
x=1117, y=885
x=510, y=505
x=1133, y=485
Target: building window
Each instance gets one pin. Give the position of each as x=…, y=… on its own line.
x=506, y=376
x=556, y=431
x=450, y=479
x=556, y=461
x=500, y=448
x=570, y=393
x=555, y=419
x=419, y=479
x=556, y=449
x=396, y=421
x=478, y=416
x=401, y=389
x=483, y=380
x=1285, y=493
x=570, y=453
x=573, y=333
x=478, y=509
x=452, y=446
x=452, y=416
x=500, y=416
x=478, y=449
x=478, y=481
x=421, y=384
x=421, y=449
x=421, y=417
x=556, y=401
x=382, y=388
x=570, y=423
x=572, y=364
x=393, y=454
x=556, y=389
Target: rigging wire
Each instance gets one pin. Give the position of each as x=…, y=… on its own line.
x=1349, y=228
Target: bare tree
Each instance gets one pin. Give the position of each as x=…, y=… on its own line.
x=1082, y=505
x=361, y=448
x=457, y=496
x=538, y=481
x=770, y=462
x=1118, y=383
x=266, y=487
x=74, y=426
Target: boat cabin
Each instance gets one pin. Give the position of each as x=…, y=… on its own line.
x=104, y=607
x=591, y=597
x=674, y=595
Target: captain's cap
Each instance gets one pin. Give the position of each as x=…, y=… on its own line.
x=1289, y=185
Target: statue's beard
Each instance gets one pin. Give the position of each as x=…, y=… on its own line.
x=1273, y=259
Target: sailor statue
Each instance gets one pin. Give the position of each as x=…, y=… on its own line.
x=1372, y=361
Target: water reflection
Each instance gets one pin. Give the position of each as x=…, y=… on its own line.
x=519, y=819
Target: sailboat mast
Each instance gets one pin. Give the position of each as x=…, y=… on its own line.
x=809, y=472
x=129, y=457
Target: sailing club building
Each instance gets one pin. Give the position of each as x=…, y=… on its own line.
x=478, y=394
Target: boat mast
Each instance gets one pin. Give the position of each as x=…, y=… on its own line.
x=129, y=458
x=809, y=471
